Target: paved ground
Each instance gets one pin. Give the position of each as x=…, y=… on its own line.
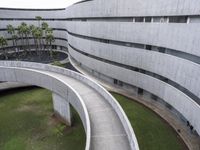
x=191, y=139
x=107, y=130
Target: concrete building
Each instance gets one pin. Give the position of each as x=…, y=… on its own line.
x=148, y=47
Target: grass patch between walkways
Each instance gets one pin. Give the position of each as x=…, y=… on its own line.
x=27, y=123
x=152, y=132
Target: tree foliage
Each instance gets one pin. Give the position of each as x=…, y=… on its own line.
x=22, y=35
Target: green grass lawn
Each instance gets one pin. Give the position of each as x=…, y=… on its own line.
x=27, y=123
x=152, y=132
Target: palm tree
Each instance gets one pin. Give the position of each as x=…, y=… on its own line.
x=38, y=34
x=50, y=39
x=45, y=27
x=33, y=30
x=48, y=31
x=38, y=18
x=16, y=38
x=26, y=32
x=3, y=43
x=11, y=31
x=21, y=34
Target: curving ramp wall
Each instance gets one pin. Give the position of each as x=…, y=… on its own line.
x=151, y=47
x=98, y=110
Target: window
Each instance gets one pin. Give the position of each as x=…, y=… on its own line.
x=178, y=19
x=139, y=19
x=148, y=19
x=154, y=97
x=161, y=49
x=115, y=81
x=136, y=69
x=194, y=19
x=148, y=47
x=140, y=91
x=120, y=83
x=163, y=19
x=54, y=47
x=128, y=44
x=104, y=41
x=142, y=71
x=83, y=19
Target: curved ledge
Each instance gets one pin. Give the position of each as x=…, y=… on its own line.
x=181, y=102
x=14, y=75
x=64, y=83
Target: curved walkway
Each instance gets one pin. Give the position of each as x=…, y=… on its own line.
x=191, y=139
x=110, y=128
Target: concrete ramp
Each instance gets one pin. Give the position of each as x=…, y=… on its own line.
x=105, y=123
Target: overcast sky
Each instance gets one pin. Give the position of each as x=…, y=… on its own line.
x=36, y=3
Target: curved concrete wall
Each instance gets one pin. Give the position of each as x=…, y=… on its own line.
x=17, y=72
x=120, y=8
x=23, y=71
x=171, y=67
x=105, y=36
x=184, y=104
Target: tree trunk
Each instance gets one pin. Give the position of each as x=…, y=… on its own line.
x=17, y=49
x=5, y=54
x=51, y=50
x=13, y=40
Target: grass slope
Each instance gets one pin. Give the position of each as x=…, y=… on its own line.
x=27, y=123
x=152, y=132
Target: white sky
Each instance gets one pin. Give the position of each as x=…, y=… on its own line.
x=36, y=3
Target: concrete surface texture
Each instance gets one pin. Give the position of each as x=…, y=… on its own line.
x=151, y=46
x=106, y=125
x=190, y=139
x=62, y=109
x=160, y=50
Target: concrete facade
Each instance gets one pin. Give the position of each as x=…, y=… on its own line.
x=108, y=37
x=150, y=45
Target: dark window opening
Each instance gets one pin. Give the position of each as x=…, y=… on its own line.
x=136, y=69
x=139, y=19
x=148, y=47
x=163, y=19
x=120, y=83
x=83, y=19
x=115, y=81
x=179, y=19
x=154, y=97
x=161, y=49
x=142, y=71
x=104, y=41
x=140, y=91
x=54, y=47
x=148, y=19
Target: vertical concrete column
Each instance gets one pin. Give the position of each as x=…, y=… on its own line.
x=62, y=108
